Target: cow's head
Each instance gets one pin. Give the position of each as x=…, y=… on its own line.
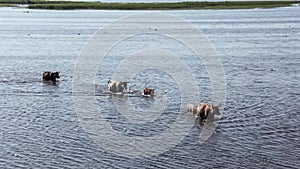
x=124, y=84
x=152, y=91
x=54, y=75
x=215, y=109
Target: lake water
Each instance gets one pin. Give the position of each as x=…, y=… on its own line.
x=260, y=52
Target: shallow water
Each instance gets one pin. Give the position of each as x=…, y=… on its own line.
x=260, y=52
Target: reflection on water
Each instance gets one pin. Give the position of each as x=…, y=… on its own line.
x=259, y=49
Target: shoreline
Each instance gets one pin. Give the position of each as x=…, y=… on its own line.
x=72, y=5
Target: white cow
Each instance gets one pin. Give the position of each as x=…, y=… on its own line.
x=191, y=108
x=116, y=86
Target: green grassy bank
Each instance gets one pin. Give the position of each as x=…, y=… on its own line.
x=68, y=5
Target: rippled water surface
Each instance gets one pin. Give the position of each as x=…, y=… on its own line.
x=260, y=52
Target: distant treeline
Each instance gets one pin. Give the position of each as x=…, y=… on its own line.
x=64, y=5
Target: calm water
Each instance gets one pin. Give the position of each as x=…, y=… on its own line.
x=260, y=51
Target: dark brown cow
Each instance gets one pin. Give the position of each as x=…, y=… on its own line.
x=50, y=76
x=148, y=92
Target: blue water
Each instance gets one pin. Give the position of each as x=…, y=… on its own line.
x=260, y=52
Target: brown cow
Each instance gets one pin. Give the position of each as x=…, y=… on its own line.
x=50, y=76
x=148, y=92
x=204, y=110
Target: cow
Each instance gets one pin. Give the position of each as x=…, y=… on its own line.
x=148, y=92
x=116, y=86
x=50, y=76
x=191, y=108
x=207, y=111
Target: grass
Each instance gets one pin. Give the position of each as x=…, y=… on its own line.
x=7, y=5
x=69, y=5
